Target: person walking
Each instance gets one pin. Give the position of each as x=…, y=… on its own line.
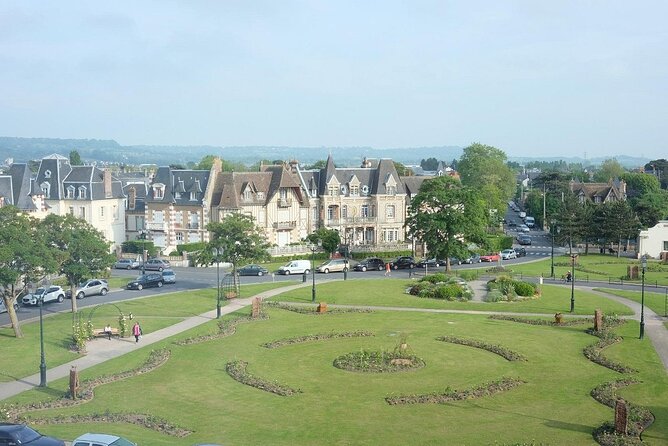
x=136, y=331
x=387, y=269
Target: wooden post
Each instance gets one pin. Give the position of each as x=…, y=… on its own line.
x=598, y=320
x=256, y=308
x=74, y=382
x=621, y=417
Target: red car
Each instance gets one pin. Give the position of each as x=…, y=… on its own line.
x=490, y=257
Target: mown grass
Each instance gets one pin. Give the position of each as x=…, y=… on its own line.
x=337, y=407
x=391, y=293
x=20, y=357
x=655, y=301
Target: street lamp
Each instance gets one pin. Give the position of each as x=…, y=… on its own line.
x=643, y=262
x=313, y=247
x=42, y=363
x=573, y=257
x=142, y=235
x=552, y=222
x=218, y=252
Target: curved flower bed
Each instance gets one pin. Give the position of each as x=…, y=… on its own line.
x=313, y=309
x=594, y=351
x=492, y=348
x=16, y=413
x=225, y=328
x=378, y=362
x=546, y=322
x=237, y=370
x=502, y=385
x=317, y=337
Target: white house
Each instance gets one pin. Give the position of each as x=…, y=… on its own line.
x=654, y=241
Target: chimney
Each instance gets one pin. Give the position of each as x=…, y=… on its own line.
x=107, y=183
x=293, y=166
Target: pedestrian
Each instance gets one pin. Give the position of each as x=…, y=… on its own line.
x=387, y=269
x=136, y=331
x=107, y=331
x=568, y=276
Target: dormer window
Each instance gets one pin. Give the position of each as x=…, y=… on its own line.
x=45, y=188
x=354, y=191
x=260, y=195
x=391, y=190
x=158, y=191
x=365, y=190
x=70, y=192
x=82, y=193
x=193, y=196
x=248, y=195
x=132, y=198
x=177, y=195
x=333, y=191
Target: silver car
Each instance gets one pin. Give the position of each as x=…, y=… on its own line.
x=3, y=309
x=156, y=265
x=126, y=264
x=168, y=276
x=50, y=294
x=92, y=287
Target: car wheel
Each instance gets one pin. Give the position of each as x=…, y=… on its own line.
x=160, y=268
x=104, y=291
x=287, y=272
x=326, y=271
x=140, y=287
x=259, y=273
x=60, y=298
x=364, y=269
x=80, y=295
x=159, y=284
x=380, y=268
x=395, y=267
x=129, y=266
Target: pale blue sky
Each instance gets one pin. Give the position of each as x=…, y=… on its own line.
x=532, y=77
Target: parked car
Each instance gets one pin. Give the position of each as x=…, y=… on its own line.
x=93, y=287
x=520, y=252
x=454, y=261
x=157, y=265
x=493, y=257
x=523, y=239
x=512, y=224
x=430, y=263
x=403, y=262
x=530, y=221
x=168, y=276
x=3, y=309
x=126, y=264
x=508, y=254
x=146, y=281
x=101, y=440
x=333, y=266
x=472, y=258
x=21, y=434
x=50, y=294
x=524, y=228
x=252, y=270
x=371, y=263
x=295, y=267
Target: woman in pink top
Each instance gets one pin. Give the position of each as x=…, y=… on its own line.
x=136, y=331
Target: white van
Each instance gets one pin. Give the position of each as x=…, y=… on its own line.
x=530, y=221
x=295, y=267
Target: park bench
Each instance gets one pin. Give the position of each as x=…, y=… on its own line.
x=100, y=333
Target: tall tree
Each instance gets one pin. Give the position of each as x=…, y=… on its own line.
x=237, y=239
x=24, y=258
x=447, y=217
x=84, y=250
x=484, y=168
x=329, y=238
x=75, y=158
x=429, y=164
x=609, y=169
x=617, y=222
x=402, y=170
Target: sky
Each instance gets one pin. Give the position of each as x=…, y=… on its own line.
x=532, y=78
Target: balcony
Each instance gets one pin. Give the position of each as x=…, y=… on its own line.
x=156, y=226
x=284, y=202
x=192, y=226
x=285, y=225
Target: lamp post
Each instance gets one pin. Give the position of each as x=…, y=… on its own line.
x=142, y=236
x=42, y=363
x=643, y=262
x=552, y=252
x=313, y=247
x=573, y=257
x=217, y=252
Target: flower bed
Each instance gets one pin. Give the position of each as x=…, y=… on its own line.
x=237, y=370
x=316, y=337
x=532, y=321
x=313, y=309
x=489, y=389
x=373, y=361
x=492, y=348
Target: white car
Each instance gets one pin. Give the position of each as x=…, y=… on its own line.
x=524, y=228
x=3, y=309
x=507, y=254
x=101, y=440
x=50, y=294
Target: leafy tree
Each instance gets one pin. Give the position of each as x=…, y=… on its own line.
x=617, y=221
x=177, y=166
x=237, y=239
x=647, y=199
x=227, y=166
x=610, y=169
x=24, y=258
x=75, y=158
x=320, y=164
x=640, y=183
x=484, y=168
x=659, y=168
x=429, y=164
x=402, y=170
x=206, y=162
x=84, y=250
x=330, y=239
x=447, y=216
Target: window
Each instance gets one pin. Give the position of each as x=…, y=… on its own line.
x=82, y=192
x=344, y=211
x=114, y=212
x=158, y=216
x=330, y=212
x=70, y=191
x=390, y=235
x=71, y=210
x=283, y=193
x=260, y=195
x=333, y=191
x=179, y=236
x=132, y=198
x=315, y=214
x=177, y=195
x=178, y=217
x=365, y=190
x=82, y=212
x=193, y=196
x=247, y=195
x=665, y=245
x=389, y=211
x=158, y=192
x=47, y=174
x=391, y=190
x=45, y=188
x=354, y=191
x=365, y=211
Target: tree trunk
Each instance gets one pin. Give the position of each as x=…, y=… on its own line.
x=9, y=304
x=73, y=289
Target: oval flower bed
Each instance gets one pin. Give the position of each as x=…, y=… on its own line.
x=377, y=362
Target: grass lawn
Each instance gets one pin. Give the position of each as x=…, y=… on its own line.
x=336, y=407
x=390, y=292
x=20, y=357
x=655, y=301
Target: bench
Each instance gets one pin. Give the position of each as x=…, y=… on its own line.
x=100, y=333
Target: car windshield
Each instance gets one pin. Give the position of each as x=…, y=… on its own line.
x=39, y=291
x=26, y=435
x=121, y=442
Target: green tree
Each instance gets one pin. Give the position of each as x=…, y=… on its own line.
x=402, y=170
x=484, y=168
x=320, y=164
x=609, y=169
x=24, y=258
x=75, y=158
x=330, y=239
x=659, y=168
x=206, y=162
x=447, y=216
x=85, y=252
x=237, y=239
x=429, y=164
x=616, y=222
x=647, y=199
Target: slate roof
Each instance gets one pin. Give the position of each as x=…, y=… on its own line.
x=374, y=177
x=179, y=183
x=413, y=184
x=231, y=186
x=56, y=171
x=15, y=186
x=611, y=191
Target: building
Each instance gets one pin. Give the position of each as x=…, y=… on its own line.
x=654, y=241
x=15, y=188
x=596, y=193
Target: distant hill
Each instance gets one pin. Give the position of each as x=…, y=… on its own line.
x=26, y=149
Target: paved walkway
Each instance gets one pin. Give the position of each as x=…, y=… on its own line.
x=101, y=350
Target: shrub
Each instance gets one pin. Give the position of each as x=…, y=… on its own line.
x=494, y=296
x=449, y=291
x=524, y=288
x=435, y=278
x=469, y=275
x=416, y=289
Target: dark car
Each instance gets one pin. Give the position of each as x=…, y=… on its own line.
x=520, y=252
x=19, y=434
x=512, y=224
x=252, y=270
x=430, y=263
x=403, y=262
x=157, y=265
x=472, y=258
x=146, y=281
x=371, y=263
x=523, y=239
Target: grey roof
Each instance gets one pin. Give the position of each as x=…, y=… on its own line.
x=413, y=184
x=56, y=171
x=374, y=177
x=18, y=190
x=232, y=185
x=179, y=184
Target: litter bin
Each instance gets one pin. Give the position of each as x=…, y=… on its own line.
x=304, y=277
